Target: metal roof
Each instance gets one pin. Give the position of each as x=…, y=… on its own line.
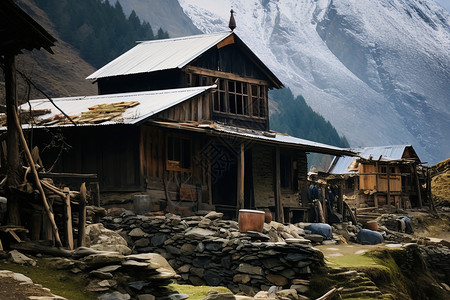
x=160, y=55
x=340, y=165
x=382, y=153
x=150, y=103
x=268, y=137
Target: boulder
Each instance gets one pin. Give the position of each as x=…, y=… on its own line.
x=102, y=239
x=21, y=259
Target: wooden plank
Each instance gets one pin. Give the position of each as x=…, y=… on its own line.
x=67, y=175
x=215, y=74
x=68, y=220
x=227, y=41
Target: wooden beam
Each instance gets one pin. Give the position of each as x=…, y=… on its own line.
x=240, y=177
x=82, y=216
x=277, y=190
x=67, y=175
x=68, y=220
x=213, y=73
x=416, y=178
x=30, y=161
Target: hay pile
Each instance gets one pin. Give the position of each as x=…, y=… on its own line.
x=440, y=182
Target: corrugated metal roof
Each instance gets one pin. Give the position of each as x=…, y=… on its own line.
x=150, y=103
x=340, y=165
x=278, y=138
x=160, y=55
x=382, y=153
x=269, y=137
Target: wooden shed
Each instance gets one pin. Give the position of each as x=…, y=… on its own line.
x=380, y=176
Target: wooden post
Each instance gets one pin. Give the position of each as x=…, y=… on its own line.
x=82, y=216
x=341, y=198
x=320, y=210
x=429, y=195
x=240, y=177
x=324, y=206
x=416, y=177
x=36, y=225
x=375, y=196
x=68, y=220
x=278, y=204
x=12, y=138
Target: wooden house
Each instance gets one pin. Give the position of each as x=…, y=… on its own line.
x=380, y=176
x=184, y=121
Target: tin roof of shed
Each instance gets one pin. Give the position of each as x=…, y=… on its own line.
x=340, y=165
x=149, y=103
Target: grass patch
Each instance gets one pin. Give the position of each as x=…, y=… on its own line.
x=60, y=282
x=351, y=260
x=197, y=292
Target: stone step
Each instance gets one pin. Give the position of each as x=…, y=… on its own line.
x=369, y=294
x=359, y=289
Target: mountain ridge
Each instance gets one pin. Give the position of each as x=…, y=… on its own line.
x=395, y=91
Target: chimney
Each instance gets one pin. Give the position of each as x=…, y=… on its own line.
x=232, y=24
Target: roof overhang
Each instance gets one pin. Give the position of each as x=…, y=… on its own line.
x=264, y=137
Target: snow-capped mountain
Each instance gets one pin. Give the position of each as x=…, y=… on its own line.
x=379, y=70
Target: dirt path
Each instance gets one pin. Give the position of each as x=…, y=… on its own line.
x=15, y=286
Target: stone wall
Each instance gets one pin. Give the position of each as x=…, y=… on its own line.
x=209, y=250
x=263, y=157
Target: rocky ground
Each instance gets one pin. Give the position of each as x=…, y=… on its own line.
x=138, y=256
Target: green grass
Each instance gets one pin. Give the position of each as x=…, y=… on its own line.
x=352, y=260
x=197, y=292
x=60, y=282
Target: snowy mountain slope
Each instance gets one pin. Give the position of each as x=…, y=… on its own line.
x=378, y=70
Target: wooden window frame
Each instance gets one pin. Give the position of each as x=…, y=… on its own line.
x=170, y=164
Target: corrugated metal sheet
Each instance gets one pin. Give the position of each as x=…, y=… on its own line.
x=342, y=164
x=276, y=138
x=383, y=153
x=160, y=55
x=258, y=136
x=150, y=103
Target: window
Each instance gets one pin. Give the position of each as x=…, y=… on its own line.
x=383, y=170
x=178, y=153
x=392, y=170
x=233, y=97
x=258, y=103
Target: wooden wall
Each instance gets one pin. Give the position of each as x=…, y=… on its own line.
x=196, y=109
x=112, y=152
x=153, y=165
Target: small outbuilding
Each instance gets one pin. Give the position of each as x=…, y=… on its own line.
x=388, y=175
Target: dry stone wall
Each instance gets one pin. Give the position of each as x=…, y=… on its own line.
x=209, y=250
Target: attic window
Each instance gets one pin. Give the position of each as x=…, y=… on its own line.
x=233, y=97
